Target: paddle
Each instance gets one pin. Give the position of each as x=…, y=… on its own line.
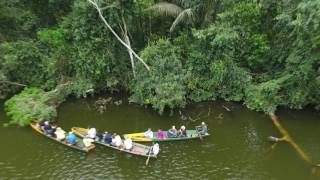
x=147, y=161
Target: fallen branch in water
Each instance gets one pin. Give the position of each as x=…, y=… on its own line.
x=220, y=116
x=209, y=112
x=226, y=108
x=286, y=137
x=196, y=119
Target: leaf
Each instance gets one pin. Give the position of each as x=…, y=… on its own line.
x=185, y=16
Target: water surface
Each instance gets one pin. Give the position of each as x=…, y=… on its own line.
x=237, y=148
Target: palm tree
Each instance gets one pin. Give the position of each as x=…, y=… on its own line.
x=195, y=12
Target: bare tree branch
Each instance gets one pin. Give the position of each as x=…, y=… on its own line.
x=127, y=40
x=13, y=83
x=94, y=3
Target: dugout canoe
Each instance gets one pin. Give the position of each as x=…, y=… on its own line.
x=79, y=146
x=137, y=149
x=191, y=134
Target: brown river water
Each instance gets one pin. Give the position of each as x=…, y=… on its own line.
x=237, y=148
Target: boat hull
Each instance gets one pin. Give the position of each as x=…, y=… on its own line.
x=191, y=134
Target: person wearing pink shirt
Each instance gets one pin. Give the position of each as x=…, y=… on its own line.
x=160, y=134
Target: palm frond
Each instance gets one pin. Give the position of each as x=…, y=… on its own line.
x=185, y=3
x=186, y=15
x=165, y=8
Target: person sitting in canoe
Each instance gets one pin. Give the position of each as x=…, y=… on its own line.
x=99, y=136
x=40, y=124
x=87, y=141
x=202, y=129
x=148, y=133
x=52, y=131
x=92, y=133
x=160, y=134
x=116, y=140
x=127, y=143
x=71, y=138
x=155, y=149
x=47, y=127
x=182, y=132
x=107, y=137
x=60, y=134
x=172, y=132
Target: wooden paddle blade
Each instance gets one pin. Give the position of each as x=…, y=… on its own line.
x=147, y=161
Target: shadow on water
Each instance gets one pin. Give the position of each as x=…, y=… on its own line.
x=237, y=148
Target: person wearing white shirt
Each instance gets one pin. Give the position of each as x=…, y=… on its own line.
x=148, y=133
x=155, y=149
x=92, y=132
x=116, y=140
x=60, y=134
x=127, y=143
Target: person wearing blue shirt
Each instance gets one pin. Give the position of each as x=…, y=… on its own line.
x=107, y=137
x=71, y=138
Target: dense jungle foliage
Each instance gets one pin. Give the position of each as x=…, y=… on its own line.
x=263, y=53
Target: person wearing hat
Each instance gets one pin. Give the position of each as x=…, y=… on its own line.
x=60, y=134
x=92, y=133
x=47, y=127
x=172, y=132
x=127, y=143
x=155, y=149
x=148, y=133
x=182, y=132
x=71, y=138
x=202, y=129
x=116, y=140
x=52, y=131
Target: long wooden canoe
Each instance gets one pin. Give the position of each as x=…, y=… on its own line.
x=137, y=149
x=139, y=137
x=79, y=146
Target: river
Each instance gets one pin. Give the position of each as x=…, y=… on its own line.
x=237, y=148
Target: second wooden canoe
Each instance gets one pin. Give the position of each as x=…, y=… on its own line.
x=137, y=149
